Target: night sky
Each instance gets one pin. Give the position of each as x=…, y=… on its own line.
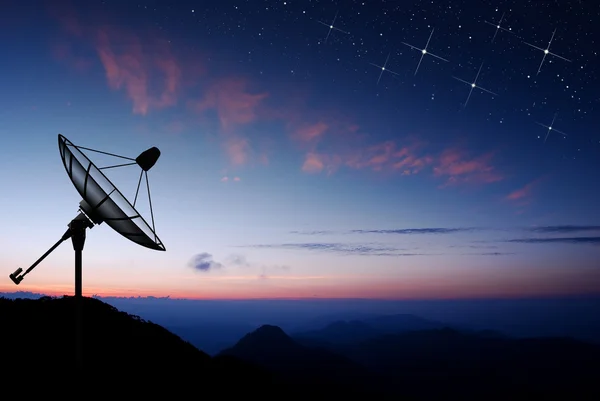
x=294, y=165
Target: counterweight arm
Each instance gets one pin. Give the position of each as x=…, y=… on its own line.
x=17, y=277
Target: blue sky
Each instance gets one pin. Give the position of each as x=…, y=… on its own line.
x=287, y=169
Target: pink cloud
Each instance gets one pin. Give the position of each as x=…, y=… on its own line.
x=227, y=179
x=524, y=196
x=141, y=65
x=374, y=157
x=330, y=140
x=521, y=193
x=387, y=156
x=411, y=159
x=316, y=163
x=131, y=67
x=311, y=132
x=234, y=103
x=407, y=157
x=153, y=78
x=328, y=131
x=313, y=163
x=458, y=168
x=237, y=149
x=307, y=127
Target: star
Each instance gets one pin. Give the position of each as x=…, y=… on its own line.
x=547, y=51
x=383, y=68
x=332, y=27
x=498, y=27
x=473, y=85
x=424, y=51
x=551, y=128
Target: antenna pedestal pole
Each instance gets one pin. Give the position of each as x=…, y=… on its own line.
x=77, y=227
x=76, y=232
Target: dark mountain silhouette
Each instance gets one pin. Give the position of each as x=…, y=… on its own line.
x=339, y=333
x=318, y=322
x=210, y=336
x=390, y=324
x=446, y=363
x=47, y=327
x=439, y=364
x=355, y=331
x=123, y=354
x=270, y=347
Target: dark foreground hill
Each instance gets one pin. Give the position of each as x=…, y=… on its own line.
x=123, y=354
x=45, y=328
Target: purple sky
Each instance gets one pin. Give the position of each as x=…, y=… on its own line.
x=287, y=168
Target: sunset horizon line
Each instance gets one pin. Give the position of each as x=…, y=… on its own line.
x=507, y=297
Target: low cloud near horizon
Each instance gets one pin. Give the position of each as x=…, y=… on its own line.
x=204, y=262
x=366, y=249
x=406, y=231
x=343, y=248
x=561, y=229
x=564, y=229
x=562, y=240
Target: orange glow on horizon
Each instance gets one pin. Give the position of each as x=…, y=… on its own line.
x=465, y=283
x=376, y=291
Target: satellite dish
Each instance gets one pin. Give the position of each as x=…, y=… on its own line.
x=101, y=202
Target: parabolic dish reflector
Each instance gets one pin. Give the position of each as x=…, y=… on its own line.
x=104, y=199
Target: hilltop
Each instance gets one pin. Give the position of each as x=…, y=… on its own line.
x=122, y=354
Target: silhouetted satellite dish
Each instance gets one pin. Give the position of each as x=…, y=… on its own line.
x=102, y=202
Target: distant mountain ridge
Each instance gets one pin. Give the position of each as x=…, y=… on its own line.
x=354, y=331
x=433, y=364
x=270, y=347
x=212, y=325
